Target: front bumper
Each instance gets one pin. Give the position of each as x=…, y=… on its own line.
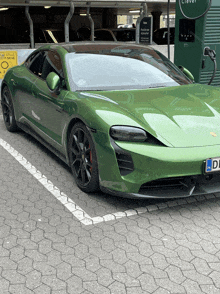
x=153, y=164
x=174, y=187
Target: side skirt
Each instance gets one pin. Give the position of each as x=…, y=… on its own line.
x=27, y=129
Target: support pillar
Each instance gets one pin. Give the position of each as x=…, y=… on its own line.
x=91, y=23
x=109, y=18
x=31, y=25
x=67, y=22
x=156, y=19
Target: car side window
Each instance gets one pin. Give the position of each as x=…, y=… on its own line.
x=35, y=63
x=52, y=63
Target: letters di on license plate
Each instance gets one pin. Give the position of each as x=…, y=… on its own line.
x=212, y=165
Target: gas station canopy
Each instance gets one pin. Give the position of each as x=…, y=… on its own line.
x=153, y=5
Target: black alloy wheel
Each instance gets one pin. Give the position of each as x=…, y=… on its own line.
x=8, y=110
x=83, y=160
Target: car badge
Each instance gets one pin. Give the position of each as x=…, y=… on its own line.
x=213, y=134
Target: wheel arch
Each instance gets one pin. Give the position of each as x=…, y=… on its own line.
x=72, y=122
x=70, y=126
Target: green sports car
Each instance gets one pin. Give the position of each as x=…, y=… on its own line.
x=123, y=117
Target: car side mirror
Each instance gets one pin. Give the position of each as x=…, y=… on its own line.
x=53, y=81
x=186, y=72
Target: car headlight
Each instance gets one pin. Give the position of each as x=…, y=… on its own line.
x=125, y=133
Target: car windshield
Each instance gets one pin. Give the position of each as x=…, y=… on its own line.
x=99, y=72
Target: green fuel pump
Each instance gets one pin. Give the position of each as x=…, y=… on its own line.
x=197, y=39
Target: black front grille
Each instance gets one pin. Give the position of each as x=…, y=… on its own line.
x=125, y=163
x=164, y=183
x=182, y=186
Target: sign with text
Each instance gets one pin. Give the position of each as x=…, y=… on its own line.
x=146, y=30
x=8, y=59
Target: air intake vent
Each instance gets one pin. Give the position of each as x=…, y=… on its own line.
x=206, y=77
x=212, y=29
x=125, y=163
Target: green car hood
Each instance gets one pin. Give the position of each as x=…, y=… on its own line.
x=184, y=116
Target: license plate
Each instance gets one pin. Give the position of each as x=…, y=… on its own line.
x=212, y=165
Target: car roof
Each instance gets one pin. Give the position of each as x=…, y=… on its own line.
x=99, y=47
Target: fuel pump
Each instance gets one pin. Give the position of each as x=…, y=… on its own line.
x=197, y=39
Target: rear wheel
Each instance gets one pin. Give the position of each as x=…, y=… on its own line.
x=8, y=110
x=83, y=158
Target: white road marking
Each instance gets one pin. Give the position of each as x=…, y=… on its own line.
x=77, y=211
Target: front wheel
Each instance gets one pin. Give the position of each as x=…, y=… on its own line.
x=8, y=110
x=83, y=160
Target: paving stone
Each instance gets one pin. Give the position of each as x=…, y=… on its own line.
x=215, y=277
x=95, y=288
x=183, y=265
x=44, y=268
x=209, y=289
x=117, y=288
x=126, y=247
x=19, y=289
x=45, y=246
x=92, y=263
x=206, y=256
x=13, y=277
x=25, y=265
x=184, y=253
x=208, y=247
x=37, y=235
x=172, y=287
x=63, y=248
x=197, y=277
x=159, y=260
x=54, y=258
x=33, y=279
x=139, y=258
x=145, y=249
x=42, y=289
x=191, y=287
x=119, y=256
x=27, y=244
x=161, y=291
x=4, y=285
x=4, y=252
x=164, y=251
x=147, y=283
x=73, y=261
x=35, y=255
x=71, y=239
x=153, y=271
x=136, y=290
x=64, y=271
x=84, y=274
x=7, y=263
x=104, y=277
x=126, y=280
x=53, y=282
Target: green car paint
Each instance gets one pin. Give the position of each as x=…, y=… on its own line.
x=180, y=120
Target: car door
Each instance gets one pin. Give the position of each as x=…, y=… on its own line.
x=48, y=110
x=22, y=81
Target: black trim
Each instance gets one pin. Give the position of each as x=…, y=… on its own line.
x=124, y=159
x=28, y=129
x=170, y=188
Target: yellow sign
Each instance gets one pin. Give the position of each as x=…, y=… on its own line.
x=8, y=59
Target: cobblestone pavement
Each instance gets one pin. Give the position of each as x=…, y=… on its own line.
x=166, y=247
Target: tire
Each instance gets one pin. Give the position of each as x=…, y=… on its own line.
x=8, y=110
x=83, y=160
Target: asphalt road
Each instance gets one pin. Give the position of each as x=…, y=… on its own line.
x=56, y=239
